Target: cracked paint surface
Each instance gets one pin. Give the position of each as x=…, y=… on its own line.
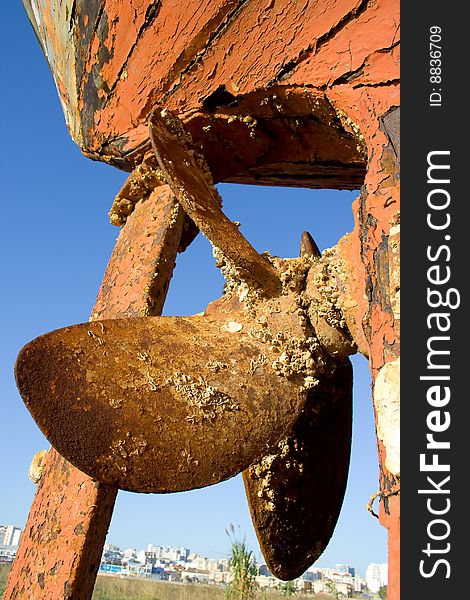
x=113, y=61
x=387, y=401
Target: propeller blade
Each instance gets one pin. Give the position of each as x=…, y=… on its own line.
x=295, y=493
x=157, y=404
x=200, y=201
x=308, y=246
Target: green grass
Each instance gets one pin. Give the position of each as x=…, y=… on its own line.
x=116, y=588
x=4, y=570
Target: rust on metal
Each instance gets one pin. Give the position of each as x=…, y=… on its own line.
x=137, y=404
x=143, y=260
x=139, y=185
x=179, y=392
x=296, y=492
x=62, y=542
x=308, y=246
x=201, y=202
x=160, y=404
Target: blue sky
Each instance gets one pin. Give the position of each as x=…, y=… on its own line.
x=56, y=240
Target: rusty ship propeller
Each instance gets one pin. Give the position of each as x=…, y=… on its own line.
x=259, y=383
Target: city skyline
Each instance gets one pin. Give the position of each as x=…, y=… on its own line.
x=56, y=248
x=181, y=564
x=11, y=533
x=168, y=562
x=171, y=553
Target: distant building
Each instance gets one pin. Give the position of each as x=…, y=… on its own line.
x=263, y=570
x=359, y=583
x=346, y=569
x=322, y=572
x=110, y=569
x=376, y=576
x=112, y=554
x=7, y=553
x=179, y=564
x=9, y=541
x=12, y=536
x=129, y=555
x=202, y=563
x=324, y=586
x=167, y=552
x=267, y=581
x=311, y=575
x=183, y=553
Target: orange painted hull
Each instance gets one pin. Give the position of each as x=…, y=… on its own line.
x=113, y=61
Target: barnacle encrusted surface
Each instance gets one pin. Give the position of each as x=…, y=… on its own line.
x=207, y=401
x=295, y=493
x=325, y=279
x=305, y=338
x=138, y=186
x=284, y=323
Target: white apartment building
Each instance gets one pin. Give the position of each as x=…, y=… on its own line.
x=345, y=570
x=12, y=536
x=129, y=555
x=267, y=581
x=376, y=576
x=208, y=564
x=168, y=552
